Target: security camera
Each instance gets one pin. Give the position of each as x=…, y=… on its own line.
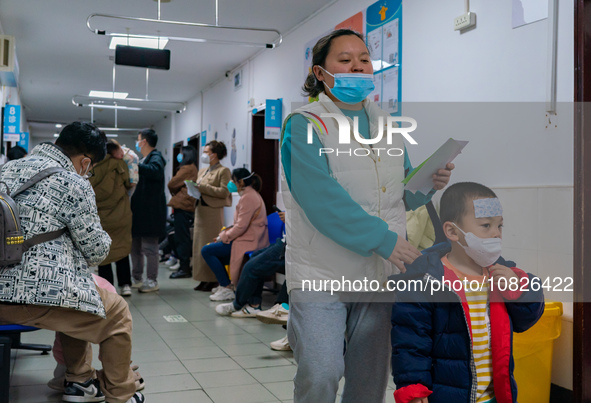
x=228, y=73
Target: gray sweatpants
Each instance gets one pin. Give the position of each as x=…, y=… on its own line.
x=148, y=247
x=317, y=332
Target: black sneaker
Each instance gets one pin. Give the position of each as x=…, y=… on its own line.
x=89, y=391
x=137, y=398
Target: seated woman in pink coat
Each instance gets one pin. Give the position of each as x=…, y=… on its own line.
x=248, y=233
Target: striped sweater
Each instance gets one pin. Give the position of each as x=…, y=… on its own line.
x=476, y=289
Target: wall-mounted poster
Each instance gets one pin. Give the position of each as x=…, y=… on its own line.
x=238, y=79
x=384, y=40
x=528, y=11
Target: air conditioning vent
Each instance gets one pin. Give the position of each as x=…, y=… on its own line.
x=8, y=62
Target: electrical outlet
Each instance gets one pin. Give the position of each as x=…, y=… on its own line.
x=464, y=21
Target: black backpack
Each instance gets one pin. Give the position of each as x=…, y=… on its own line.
x=13, y=243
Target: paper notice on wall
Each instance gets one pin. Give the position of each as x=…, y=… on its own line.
x=391, y=45
x=390, y=90
x=421, y=178
x=528, y=11
x=192, y=190
x=375, y=95
x=374, y=44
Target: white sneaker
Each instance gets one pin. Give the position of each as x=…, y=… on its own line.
x=136, y=283
x=274, y=316
x=175, y=266
x=281, y=345
x=171, y=261
x=149, y=286
x=125, y=291
x=247, y=312
x=225, y=309
x=223, y=294
x=215, y=289
x=137, y=398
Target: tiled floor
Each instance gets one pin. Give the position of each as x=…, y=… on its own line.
x=207, y=359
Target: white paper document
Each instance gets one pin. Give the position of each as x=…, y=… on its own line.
x=192, y=190
x=421, y=178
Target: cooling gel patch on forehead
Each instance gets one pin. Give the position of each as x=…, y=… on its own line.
x=487, y=208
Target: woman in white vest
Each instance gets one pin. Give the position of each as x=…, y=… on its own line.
x=346, y=223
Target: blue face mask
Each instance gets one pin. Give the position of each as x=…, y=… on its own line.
x=351, y=88
x=232, y=187
x=179, y=157
x=137, y=146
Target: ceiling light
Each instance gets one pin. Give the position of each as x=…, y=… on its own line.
x=100, y=106
x=112, y=135
x=130, y=104
x=141, y=41
x=241, y=32
x=56, y=135
x=120, y=129
x=107, y=94
x=58, y=125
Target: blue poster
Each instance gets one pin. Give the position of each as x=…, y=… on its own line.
x=273, y=118
x=384, y=41
x=12, y=120
x=24, y=141
x=203, y=138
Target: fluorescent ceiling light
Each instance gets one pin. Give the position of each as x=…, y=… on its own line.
x=112, y=135
x=108, y=94
x=56, y=135
x=58, y=125
x=142, y=41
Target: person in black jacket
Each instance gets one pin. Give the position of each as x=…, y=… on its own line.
x=148, y=205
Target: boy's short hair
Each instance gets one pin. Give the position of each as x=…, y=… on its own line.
x=453, y=202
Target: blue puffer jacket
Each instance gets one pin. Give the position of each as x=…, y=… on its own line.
x=431, y=334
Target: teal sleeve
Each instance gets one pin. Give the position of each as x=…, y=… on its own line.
x=330, y=209
x=414, y=200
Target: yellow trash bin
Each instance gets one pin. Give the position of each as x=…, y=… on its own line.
x=532, y=351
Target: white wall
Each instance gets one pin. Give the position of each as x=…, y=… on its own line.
x=511, y=149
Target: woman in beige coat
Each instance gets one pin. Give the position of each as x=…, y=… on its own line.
x=110, y=181
x=212, y=182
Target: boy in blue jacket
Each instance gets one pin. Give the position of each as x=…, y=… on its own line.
x=452, y=326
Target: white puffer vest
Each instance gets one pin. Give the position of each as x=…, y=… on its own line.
x=374, y=182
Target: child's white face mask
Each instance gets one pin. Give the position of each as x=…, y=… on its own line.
x=484, y=251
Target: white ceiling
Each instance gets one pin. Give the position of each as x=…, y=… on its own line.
x=59, y=57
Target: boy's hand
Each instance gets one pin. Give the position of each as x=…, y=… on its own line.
x=420, y=400
x=403, y=252
x=499, y=271
x=441, y=177
x=281, y=215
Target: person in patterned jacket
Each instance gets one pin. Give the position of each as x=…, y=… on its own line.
x=52, y=287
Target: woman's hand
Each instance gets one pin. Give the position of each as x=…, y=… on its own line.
x=441, y=177
x=403, y=252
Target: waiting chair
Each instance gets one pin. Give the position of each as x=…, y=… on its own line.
x=14, y=333
x=10, y=338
